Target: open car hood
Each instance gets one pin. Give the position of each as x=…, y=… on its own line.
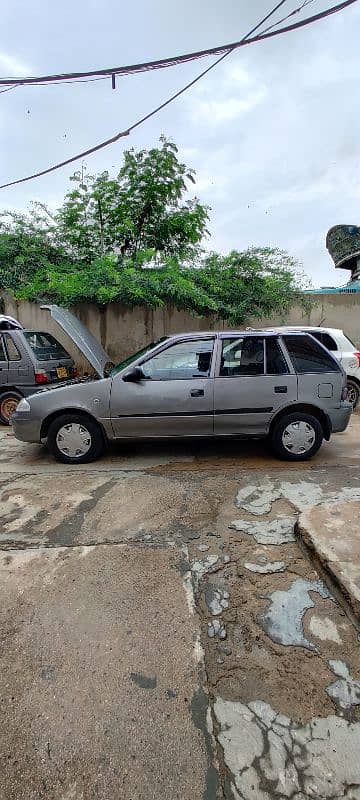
x=84, y=340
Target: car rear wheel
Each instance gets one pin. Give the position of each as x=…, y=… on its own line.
x=75, y=439
x=296, y=437
x=8, y=404
x=353, y=393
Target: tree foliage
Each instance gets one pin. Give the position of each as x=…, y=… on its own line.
x=136, y=239
x=233, y=287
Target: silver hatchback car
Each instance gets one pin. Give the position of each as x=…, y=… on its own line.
x=286, y=387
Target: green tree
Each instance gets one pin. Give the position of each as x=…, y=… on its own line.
x=234, y=288
x=137, y=240
x=26, y=245
x=142, y=208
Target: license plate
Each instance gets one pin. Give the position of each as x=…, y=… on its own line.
x=62, y=372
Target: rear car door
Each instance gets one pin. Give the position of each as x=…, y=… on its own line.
x=320, y=376
x=176, y=396
x=253, y=380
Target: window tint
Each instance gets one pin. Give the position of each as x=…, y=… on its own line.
x=3, y=356
x=45, y=346
x=317, y=335
x=242, y=356
x=275, y=361
x=12, y=350
x=329, y=342
x=307, y=355
x=325, y=339
x=181, y=361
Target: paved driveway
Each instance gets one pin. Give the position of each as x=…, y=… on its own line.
x=161, y=593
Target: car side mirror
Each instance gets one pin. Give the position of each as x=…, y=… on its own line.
x=134, y=375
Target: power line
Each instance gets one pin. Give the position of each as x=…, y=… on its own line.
x=173, y=97
x=121, y=134
x=288, y=16
x=174, y=60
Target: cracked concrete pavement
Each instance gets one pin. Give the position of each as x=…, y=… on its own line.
x=164, y=632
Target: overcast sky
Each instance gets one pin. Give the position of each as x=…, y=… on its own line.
x=273, y=133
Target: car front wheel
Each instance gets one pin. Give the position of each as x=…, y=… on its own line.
x=75, y=439
x=296, y=437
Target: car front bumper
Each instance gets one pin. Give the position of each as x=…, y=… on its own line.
x=25, y=427
x=340, y=417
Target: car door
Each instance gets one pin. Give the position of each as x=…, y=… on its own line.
x=253, y=380
x=320, y=376
x=4, y=364
x=20, y=370
x=176, y=396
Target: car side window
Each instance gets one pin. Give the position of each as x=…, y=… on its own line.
x=181, y=361
x=3, y=356
x=12, y=350
x=275, y=360
x=242, y=355
x=308, y=356
x=329, y=342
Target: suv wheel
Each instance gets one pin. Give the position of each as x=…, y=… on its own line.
x=75, y=439
x=353, y=392
x=8, y=404
x=296, y=437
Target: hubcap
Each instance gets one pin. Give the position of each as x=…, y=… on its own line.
x=73, y=440
x=8, y=406
x=352, y=395
x=298, y=437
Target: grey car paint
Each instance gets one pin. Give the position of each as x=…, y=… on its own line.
x=194, y=406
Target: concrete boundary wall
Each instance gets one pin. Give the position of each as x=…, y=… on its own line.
x=122, y=330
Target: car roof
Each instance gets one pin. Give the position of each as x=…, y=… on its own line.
x=307, y=328
x=227, y=333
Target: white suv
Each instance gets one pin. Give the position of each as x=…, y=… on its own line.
x=345, y=351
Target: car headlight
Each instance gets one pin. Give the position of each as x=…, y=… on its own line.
x=23, y=405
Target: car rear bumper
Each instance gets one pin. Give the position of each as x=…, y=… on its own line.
x=25, y=429
x=340, y=417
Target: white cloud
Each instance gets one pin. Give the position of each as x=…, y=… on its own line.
x=217, y=111
x=12, y=67
x=230, y=93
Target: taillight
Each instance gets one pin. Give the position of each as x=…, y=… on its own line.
x=357, y=355
x=74, y=372
x=41, y=376
x=344, y=393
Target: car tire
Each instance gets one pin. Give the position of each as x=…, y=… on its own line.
x=296, y=437
x=8, y=402
x=75, y=439
x=353, y=393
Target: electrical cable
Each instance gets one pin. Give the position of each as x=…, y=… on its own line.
x=156, y=110
x=175, y=60
x=288, y=16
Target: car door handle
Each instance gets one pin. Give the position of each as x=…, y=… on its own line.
x=280, y=389
x=197, y=393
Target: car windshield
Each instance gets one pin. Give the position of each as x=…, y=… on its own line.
x=130, y=359
x=45, y=346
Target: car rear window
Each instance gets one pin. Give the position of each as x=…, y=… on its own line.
x=308, y=356
x=45, y=347
x=325, y=339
